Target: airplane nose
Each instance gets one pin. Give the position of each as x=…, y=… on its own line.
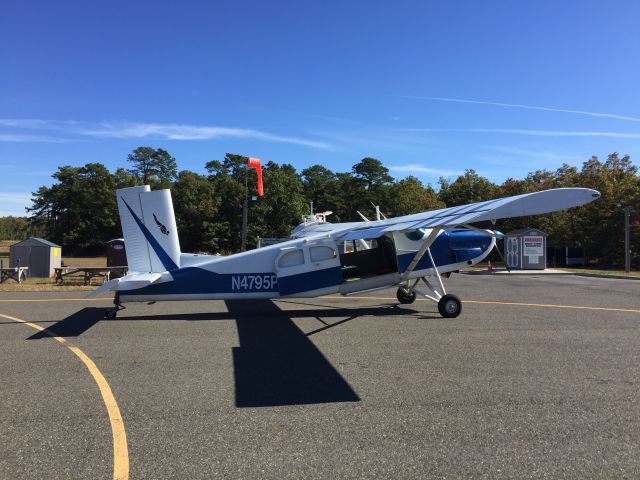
x=469, y=239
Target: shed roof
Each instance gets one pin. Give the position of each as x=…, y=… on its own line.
x=524, y=231
x=35, y=241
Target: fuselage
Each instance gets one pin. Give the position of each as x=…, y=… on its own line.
x=313, y=266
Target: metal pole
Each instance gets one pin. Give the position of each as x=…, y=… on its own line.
x=627, y=239
x=245, y=214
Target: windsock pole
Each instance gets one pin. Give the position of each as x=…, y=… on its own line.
x=251, y=163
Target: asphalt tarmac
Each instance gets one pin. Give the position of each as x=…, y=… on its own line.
x=538, y=378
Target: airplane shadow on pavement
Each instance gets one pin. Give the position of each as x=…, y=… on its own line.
x=276, y=363
x=74, y=325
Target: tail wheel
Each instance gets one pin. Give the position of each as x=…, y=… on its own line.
x=449, y=306
x=405, y=295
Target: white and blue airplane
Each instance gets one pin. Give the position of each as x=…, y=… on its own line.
x=401, y=251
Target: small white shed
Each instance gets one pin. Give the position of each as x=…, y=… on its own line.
x=526, y=249
x=41, y=256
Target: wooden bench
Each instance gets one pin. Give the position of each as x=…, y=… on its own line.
x=87, y=273
x=14, y=273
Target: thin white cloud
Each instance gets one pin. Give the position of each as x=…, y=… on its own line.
x=127, y=130
x=23, y=138
x=174, y=131
x=14, y=204
x=536, y=154
x=535, y=133
x=415, y=168
x=532, y=107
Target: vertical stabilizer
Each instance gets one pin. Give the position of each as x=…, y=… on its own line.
x=157, y=210
x=135, y=241
x=149, y=229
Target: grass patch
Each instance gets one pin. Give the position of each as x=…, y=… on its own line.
x=71, y=283
x=84, y=261
x=45, y=285
x=601, y=271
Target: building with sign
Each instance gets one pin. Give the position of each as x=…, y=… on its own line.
x=41, y=256
x=526, y=249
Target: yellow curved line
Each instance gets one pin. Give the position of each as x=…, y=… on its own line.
x=120, y=449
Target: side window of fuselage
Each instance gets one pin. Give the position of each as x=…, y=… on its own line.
x=319, y=254
x=291, y=259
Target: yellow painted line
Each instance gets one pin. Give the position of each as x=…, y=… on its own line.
x=517, y=304
x=27, y=300
x=544, y=305
x=120, y=449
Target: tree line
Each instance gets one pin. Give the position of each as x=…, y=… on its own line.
x=79, y=209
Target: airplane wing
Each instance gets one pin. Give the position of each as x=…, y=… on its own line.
x=534, y=203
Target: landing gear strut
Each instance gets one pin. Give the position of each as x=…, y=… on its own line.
x=449, y=305
x=112, y=312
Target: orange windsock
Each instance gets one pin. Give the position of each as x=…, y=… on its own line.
x=255, y=163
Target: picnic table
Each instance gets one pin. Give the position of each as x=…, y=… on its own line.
x=88, y=273
x=14, y=273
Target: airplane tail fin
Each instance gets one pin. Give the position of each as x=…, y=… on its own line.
x=149, y=229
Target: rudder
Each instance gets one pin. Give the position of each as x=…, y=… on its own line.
x=149, y=229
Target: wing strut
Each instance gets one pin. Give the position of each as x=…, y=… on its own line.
x=420, y=253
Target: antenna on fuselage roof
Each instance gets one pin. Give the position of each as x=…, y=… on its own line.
x=378, y=212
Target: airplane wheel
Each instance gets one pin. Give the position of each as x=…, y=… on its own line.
x=110, y=314
x=405, y=295
x=450, y=306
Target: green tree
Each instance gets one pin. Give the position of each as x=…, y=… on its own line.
x=79, y=210
x=371, y=185
x=18, y=228
x=153, y=167
x=467, y=188
x=229, y=178
x=282, y=206
x=320, y=187
x=411, y=196
x=196, y=207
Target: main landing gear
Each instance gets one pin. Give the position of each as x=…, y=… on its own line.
x=112, y=312
x=449, y=305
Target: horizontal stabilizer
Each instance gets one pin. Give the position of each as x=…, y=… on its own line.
x=137, y=280
x=128, y=282
x=105, y=287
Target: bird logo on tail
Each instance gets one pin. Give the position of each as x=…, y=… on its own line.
x=162, y=228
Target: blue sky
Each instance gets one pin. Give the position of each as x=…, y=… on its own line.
x=429, y=88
